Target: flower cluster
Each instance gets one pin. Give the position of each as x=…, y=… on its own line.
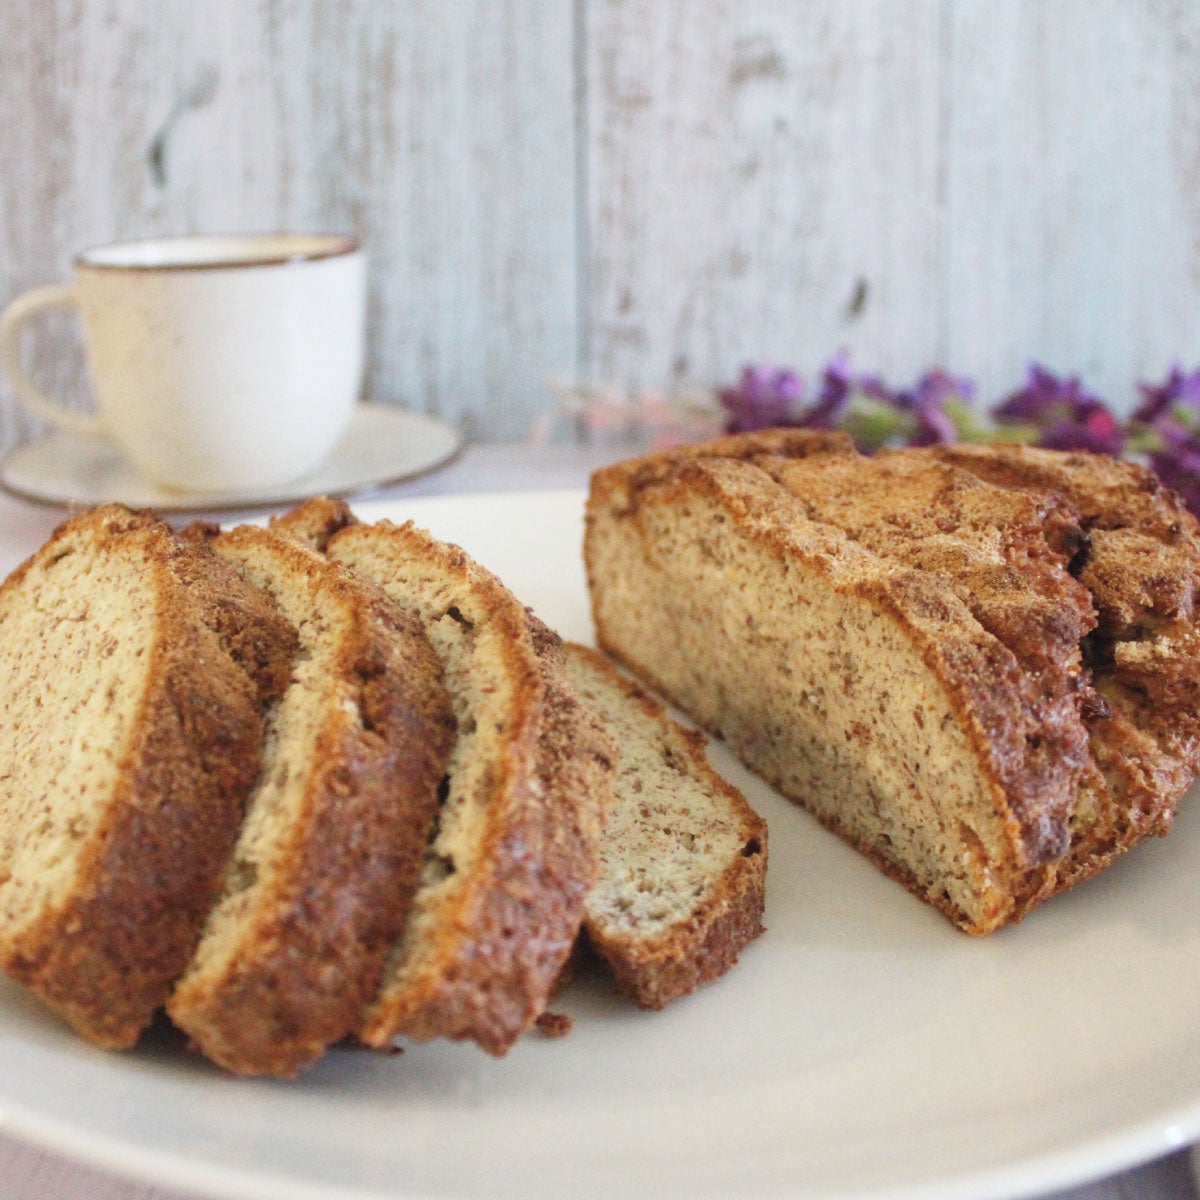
x=863, y=406
x=1059, y=414
x=1050, y=411
x=937, y=408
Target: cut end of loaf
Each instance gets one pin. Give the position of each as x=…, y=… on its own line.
x=783, y=648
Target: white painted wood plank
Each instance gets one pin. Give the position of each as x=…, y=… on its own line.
x=753, y=164
x=442, y=134
x=469, y=200
x=1073, y=190
x=1014, y=181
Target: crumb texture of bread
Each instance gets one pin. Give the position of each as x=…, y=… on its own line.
x=683, y=858
x=515, y=846
x=945, y=655
x=328, y=856
x=129, y=739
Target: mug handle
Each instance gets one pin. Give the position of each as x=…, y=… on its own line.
x=45, y=299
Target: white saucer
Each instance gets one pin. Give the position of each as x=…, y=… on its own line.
x=383, y=445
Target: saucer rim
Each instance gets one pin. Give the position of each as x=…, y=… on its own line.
x=227, y=501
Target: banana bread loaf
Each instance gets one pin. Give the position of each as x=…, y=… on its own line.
x=975, y=664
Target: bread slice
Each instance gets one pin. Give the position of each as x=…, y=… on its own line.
x=683, y=858
x=133, y=667
x=915, y=646
x=328, y=857
x=515, y=848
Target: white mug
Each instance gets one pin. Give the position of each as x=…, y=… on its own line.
x=217, y=362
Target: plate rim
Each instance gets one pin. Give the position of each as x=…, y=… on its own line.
x=1090, y=1161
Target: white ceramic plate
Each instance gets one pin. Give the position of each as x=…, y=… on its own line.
x=383, y=445
x=862, y=1048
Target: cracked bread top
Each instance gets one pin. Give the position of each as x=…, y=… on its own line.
x=1139, y=560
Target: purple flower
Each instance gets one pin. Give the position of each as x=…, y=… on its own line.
x=1088, y=428
x=877, y=414
x=837, y=385
x=766, y=397
x=934, y=428
x=864, y=406
x=1042, y=392
x=1178, y=466
x=935, y=399
x=937, y=388
x=1177, y=394
x=1167, y=425
x=1176, y=398
x=1062, y=414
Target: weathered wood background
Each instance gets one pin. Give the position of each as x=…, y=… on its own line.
x=640, y=190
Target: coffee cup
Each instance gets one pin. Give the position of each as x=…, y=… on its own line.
x=217, y=363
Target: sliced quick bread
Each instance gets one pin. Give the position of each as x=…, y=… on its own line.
x=683, y=858
x=328, y=857
x=515, y=847
x=133, y=667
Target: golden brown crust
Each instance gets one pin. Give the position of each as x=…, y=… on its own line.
x=622, y=481
x=505, y=937
x=342, y=882
x=106, y=958
x=652, y=971
x=1107, y=492
x=729, y=920
x=250, y=628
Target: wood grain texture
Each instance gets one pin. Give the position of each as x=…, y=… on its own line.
x=1072, y=218
x=763, y=180
x=968, y=183
x=441, y=134
x=640, y=190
